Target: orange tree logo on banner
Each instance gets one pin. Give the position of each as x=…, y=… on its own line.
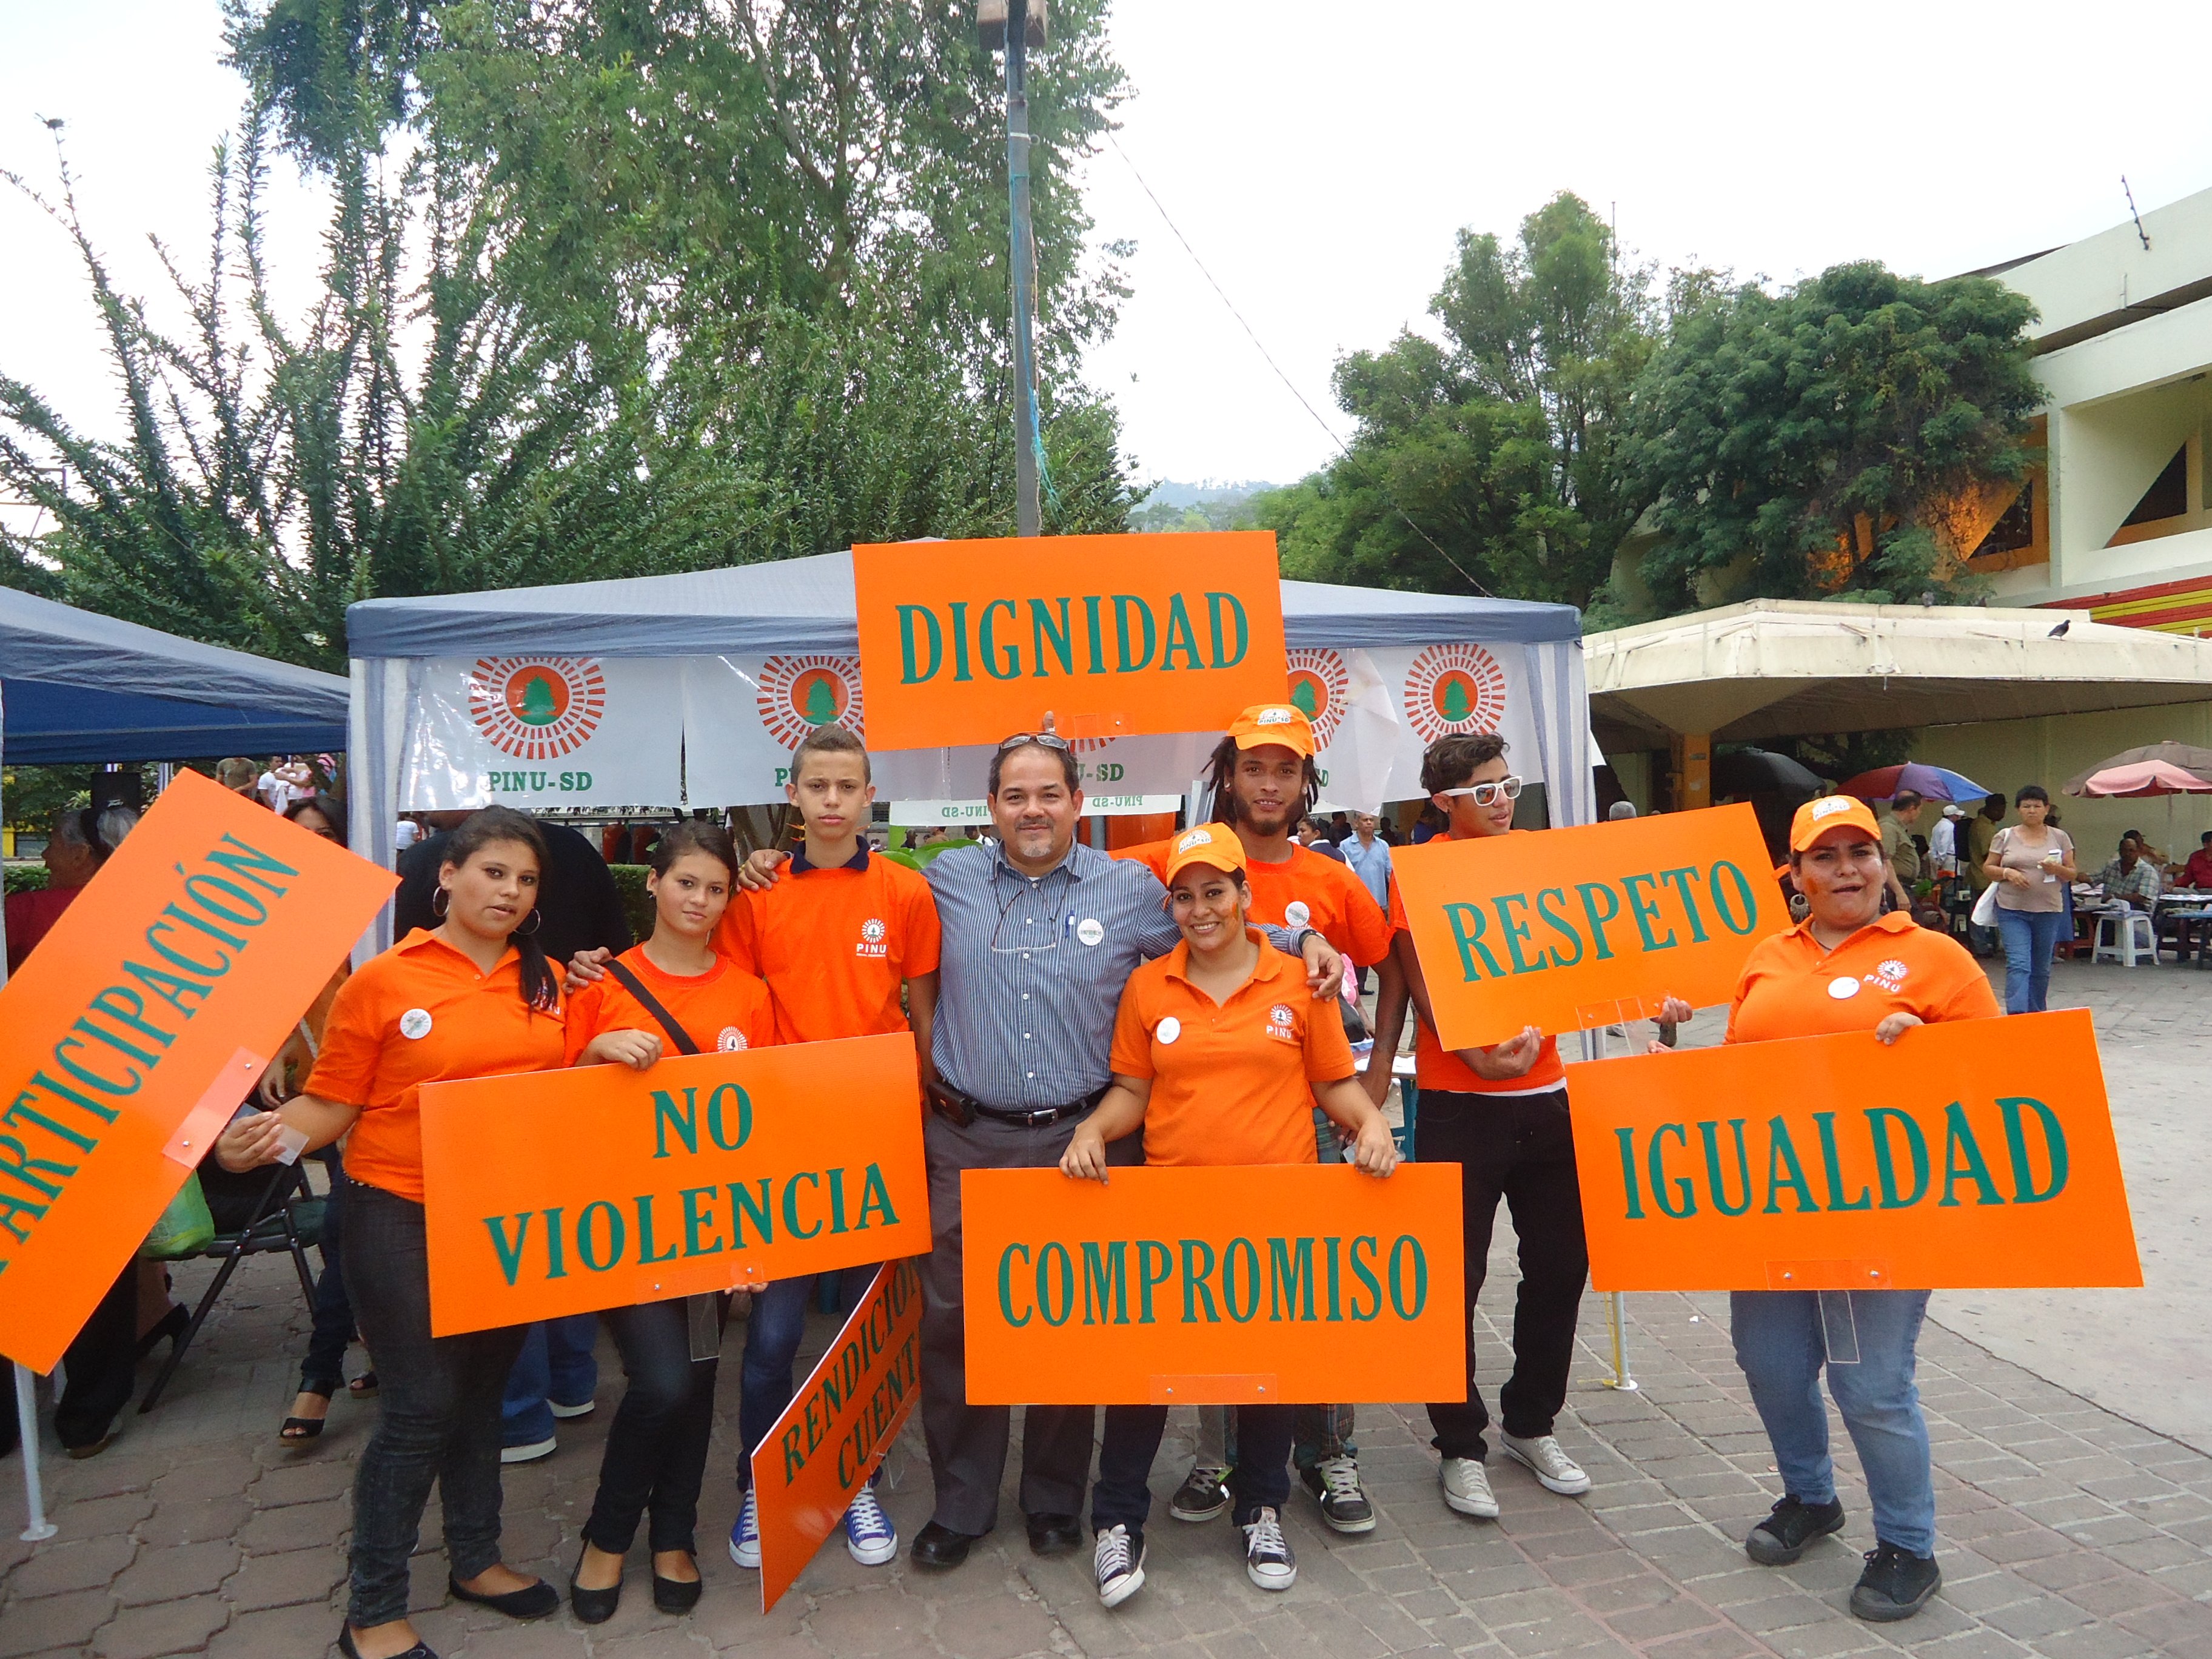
x=536, y=708
x=833, y=1433
x=967, y=642
x=1454, y=688
x=1973, y=1154
x=1302, y=1283
x=1321, y=685
x=799, y=695
x=1569, y=929
x=558, y=1193
x=141, y=1023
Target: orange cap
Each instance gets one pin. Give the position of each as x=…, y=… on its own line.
x=1274, y=722
x=1816, y=817
x=1214, y=844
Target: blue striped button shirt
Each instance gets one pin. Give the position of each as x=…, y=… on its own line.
x=1031, y=970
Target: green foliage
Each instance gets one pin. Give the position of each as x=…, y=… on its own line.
x=1813, y=443
x=636, y=903
x=27, y=878
x=920, y=858
x=32, y=797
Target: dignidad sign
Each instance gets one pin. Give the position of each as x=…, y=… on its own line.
x=558, y=1192
x=1295, y=1283
x=835, y=1432
x=968, y=642
x=1574, y=928
x=1971, y=1154
x=141, y=1023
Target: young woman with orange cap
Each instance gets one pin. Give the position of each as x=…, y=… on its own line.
x=1847, y=967
x=1219, y=1060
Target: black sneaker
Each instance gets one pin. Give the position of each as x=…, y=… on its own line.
x=1895, y=1585
x=1783, y=1535
x=1334, y=1483
x=1203, y=1495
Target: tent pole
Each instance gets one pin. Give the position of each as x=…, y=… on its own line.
x=39, y=1528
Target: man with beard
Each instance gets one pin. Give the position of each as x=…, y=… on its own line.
x=1264, y=785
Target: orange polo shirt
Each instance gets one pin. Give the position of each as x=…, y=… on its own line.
x=1436, y=1067
x=1792, y=987
x=421, y=1013
x=1232, y=1081
x=721, y=1010
x=1335, y=903
x=834, y=945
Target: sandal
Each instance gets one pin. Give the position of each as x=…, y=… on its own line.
x=298, y=1430
x=363, y=1386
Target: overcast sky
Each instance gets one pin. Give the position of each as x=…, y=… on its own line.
x=1319, y=158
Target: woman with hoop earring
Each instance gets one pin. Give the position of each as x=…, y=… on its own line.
x=472, y=997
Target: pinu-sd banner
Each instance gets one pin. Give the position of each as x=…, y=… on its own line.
x=835, y=1432
x=1973, y=1154
x=1237, y=1285
x=139, y=1025
x=558, y=1192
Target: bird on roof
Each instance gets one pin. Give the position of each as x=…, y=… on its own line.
x=2059, y=632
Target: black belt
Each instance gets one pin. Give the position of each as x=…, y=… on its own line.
x=961, y=1110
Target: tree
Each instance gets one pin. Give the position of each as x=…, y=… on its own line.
x=1484, y=462
x=1817, y=442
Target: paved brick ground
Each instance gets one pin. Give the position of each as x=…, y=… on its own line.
x=2068, y=1531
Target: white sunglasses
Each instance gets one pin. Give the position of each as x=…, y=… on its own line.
x=1488, y=794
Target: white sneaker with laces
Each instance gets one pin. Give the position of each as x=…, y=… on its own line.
x=1466, y=1488
x=1119, y=1562
x=1554, y=1470
x=1269, y=1562
x=745, y=1534
x=870, y=1537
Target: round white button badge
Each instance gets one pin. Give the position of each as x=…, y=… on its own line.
x=1297, y=914
x=1168, y=1030
x=1847, y=986
x=1091, y=930
x=415, y=1024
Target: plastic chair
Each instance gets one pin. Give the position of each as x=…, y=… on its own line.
x=2134, y=939
x=290, y=1217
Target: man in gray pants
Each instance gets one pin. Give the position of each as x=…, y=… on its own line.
x=1040, y=935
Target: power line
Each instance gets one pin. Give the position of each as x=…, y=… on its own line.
x=1269, y=357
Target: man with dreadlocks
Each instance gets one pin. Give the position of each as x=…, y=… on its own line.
x=1263, y=782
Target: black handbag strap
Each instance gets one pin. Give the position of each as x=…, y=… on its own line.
x=631, y=983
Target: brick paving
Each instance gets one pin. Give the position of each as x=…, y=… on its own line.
x=2068, y=1530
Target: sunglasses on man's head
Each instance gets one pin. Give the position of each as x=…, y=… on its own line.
x=1049, y=739
x=1488, y=794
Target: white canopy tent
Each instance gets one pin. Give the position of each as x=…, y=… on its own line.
x=713, y=663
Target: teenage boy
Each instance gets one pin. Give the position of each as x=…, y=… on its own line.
x=1263, y=783
x=836, y=938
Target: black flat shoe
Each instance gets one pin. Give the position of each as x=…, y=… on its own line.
x=531, y=1601
x=676, y=1595
x=941, y=1547
x=420, y=1650
x=172, y=1326
x=1054, y=1534
x=596, y=1607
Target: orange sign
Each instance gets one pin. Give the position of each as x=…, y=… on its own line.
x=967, y=642
x=1569, y=929
x=562, y=1192
x=835, y=1430
x=139, y=1025
x=1304, y=1282
x=1974, y=1154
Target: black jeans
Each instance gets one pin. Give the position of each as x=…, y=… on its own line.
x=101, y=1361
x=1520, y=1148
x=656, y=1454
x=1261, y=1479
x=323, y=1371
x=438, y=1417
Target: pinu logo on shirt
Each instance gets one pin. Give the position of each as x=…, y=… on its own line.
x=1888, y=974
x=1832, y=805
x=730, y=1040
x=872, y=934
x=1200, y=838
x=1275, y=717
x=1281, y=1022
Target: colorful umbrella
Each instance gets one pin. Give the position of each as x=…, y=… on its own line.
x=2186, y=756
x=1930, y=782
x=2152, y=777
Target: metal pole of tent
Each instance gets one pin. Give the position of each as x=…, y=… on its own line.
x=1616, y=1311
x=37, y=1528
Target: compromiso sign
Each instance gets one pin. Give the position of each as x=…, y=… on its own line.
x=964, y=641
x=1078, y=1292
x=567, y=1192
x=1569, y=929
x=1971, y=1154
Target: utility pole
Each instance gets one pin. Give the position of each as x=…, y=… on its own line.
x=1022, y=242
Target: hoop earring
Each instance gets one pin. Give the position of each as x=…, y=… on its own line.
x=537, y=921
x=440, y=902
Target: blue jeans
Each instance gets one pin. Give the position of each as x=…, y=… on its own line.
x=1782, y=1345
x=556, y=1363
x=2030, y=937
x=773, y=1330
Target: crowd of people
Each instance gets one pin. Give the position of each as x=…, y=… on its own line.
x=1069, y=1009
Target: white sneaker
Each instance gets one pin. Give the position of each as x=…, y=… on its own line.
x=1554, y=1470
x=1466, y=1488
x=745, y=1534
x=1119, y=1561
x=535, y=1451
x=1269, y=1562
x=869, y=1535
